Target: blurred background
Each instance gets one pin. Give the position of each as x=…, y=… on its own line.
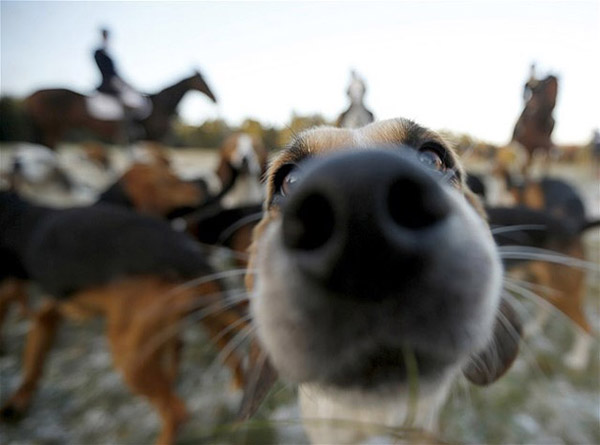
x=453, y=65
x=475, y=70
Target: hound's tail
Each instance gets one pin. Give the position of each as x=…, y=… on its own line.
x=589, y=225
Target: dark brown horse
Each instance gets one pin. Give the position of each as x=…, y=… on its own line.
x=534, y=128
x=53, y=112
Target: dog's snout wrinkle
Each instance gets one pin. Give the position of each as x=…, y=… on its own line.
x=363, y=220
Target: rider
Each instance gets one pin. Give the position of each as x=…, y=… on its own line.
x=357, y=114
x=111, y=82
x=356, y=90
x=531, y=83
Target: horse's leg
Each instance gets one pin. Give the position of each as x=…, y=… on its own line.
x=51, y=135
x=527, y=165
x=547, y=161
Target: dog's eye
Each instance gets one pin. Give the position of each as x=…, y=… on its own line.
x=431, y=159
x=289, y=181
x=431, y=156
x=285, y=179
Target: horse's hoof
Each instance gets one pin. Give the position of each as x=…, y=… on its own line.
x=11, y=413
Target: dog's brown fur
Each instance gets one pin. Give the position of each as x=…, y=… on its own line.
x=156, y=190
x=227, y=152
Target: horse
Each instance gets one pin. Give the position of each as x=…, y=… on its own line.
x=534, y=127
x=356, y=116
x=55, y=111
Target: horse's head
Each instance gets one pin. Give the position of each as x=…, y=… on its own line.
x=197, y=82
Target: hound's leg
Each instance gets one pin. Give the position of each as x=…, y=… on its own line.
x=145, y=364
x=12, y=290
x=579, y=355
x=39, y=341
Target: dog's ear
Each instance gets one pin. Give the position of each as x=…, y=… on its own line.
x=226, y=173
x=261, y=378
x=489, y=364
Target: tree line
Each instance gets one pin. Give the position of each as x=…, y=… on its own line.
x=15, y=126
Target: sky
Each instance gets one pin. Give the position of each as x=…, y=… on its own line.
x=454, y=65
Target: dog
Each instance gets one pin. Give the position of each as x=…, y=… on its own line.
x=230, y=228
x=375, y=279
x=477, y=185
x=556, y=213
x=554, y=196
x=132, y=269
x=229, y=215
x=153, y=189
x=559, y=283
x=243, y=157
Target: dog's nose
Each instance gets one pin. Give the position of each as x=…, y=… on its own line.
x=361, y=221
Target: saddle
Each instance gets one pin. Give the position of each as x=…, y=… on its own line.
x=109, y=107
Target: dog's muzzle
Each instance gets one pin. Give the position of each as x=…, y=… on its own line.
x=364, y=222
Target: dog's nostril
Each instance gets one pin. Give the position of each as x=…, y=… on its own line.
x=413, y=204
x=311, y=225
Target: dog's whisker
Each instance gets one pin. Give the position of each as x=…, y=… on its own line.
x=244, y=334
x=283, y=386
x=214, y=309
x=534, y=253
x=247, y=319
x=528, y=353
x=523, y=311
x=532, y=296
x=533, y=286
x=465, y=391
x=160, y=338
x=517, y=228
x=229, y=231
x=199, y=302
x=232, y=273
x=256, y=373
x=227, y=250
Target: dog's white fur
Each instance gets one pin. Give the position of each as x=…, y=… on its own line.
x=247, y=188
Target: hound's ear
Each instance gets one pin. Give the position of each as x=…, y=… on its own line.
x=261, y=378
x=225, y=173
x=489, y=364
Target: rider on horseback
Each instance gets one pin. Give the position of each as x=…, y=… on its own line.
x=357, y=115
x=112, y=83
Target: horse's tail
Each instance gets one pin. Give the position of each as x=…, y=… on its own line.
x=16, y=124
